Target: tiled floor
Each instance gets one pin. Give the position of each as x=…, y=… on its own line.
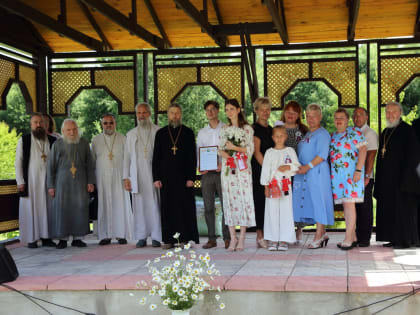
x=116, y=267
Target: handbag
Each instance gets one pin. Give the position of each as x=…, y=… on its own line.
x=8, y=269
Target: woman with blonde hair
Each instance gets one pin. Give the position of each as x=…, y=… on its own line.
x=262, y=142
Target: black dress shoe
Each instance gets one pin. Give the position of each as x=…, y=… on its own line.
x=61, y=244
x=105, y=241
x=122, y=241
x=78, y=243
x=155, y=243
x=141, y=243
x=363, y=244
x=400, y=246
x=388, y=244
x=33, y=245
x=47, y=242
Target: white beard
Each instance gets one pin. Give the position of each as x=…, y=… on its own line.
x=109, y=132
x=144, y=123
x=392, y=124
x=69, y=141
x=175, y=124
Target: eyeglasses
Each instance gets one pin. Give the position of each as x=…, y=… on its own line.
x=108, y=123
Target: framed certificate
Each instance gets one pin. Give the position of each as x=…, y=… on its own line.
x=207, y=158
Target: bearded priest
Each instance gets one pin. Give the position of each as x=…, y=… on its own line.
x=397, y=184
x=70, y=178
x=31, y=176
x=115, y=218
x=174, y=166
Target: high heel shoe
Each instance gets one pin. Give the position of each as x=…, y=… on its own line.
x=345, y=246
x=261, y=243
x=326, y=238
x=232, y=245
x=241, y=245
x=319, y=243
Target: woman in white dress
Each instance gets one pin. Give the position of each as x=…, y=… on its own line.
x=236, y=149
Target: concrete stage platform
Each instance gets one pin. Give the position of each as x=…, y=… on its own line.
x=102, y=279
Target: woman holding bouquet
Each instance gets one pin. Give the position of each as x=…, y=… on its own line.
x=237, y=147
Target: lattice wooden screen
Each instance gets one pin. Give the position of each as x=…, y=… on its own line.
x=65, y=84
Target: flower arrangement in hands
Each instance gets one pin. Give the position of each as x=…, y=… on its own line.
x=237, y=137
x=180, y=282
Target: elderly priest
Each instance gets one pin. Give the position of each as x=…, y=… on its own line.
x=70, y=177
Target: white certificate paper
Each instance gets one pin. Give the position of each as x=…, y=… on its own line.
x=207, y=158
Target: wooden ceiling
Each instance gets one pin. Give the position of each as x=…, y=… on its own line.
x=306, y=21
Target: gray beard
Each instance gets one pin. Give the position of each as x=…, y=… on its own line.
x=174, y=124
x=109, y=132
x=392, y=124
x=69, y=141
x=144, y=123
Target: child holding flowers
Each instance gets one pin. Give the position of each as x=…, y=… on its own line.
x=280, y=163
x=237, y=147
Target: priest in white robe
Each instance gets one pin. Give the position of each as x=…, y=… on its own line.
x=138, y=178
x=115, y=217
x=31, y=174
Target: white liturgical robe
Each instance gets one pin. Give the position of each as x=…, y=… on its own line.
x=33, y=212
x=138, y=169
x=115, y=218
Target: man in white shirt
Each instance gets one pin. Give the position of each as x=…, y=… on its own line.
x=210, y=180
x=364, y=210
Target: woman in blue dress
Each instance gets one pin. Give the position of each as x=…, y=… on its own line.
x=312, y=196
x=347, y=156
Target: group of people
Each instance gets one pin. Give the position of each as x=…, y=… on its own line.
x=278, y=179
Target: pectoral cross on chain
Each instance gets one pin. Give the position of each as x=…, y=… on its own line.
x=174, y=148
x=44, y=157
x=73, y=170
x=110, y=155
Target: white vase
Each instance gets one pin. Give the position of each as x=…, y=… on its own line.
x=181, y=312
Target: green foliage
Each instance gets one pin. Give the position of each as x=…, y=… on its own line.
x=15, y=116
x=8, y=143
x=88, y=108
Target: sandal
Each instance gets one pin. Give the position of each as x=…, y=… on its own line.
x=261, y=243
x=272, y=246
x=232, y=245
x=241, y=245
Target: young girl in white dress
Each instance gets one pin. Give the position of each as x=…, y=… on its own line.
x=280, y=164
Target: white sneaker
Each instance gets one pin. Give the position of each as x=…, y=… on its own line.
x=282, y=246
x=272, y=246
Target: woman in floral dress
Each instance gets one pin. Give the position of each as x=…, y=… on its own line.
x=347, y=156
x=237, y=147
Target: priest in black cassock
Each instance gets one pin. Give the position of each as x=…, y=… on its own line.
x=397, y=185
x=174, y=166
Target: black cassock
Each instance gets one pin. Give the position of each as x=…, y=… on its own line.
x=397, y=186
x=178, y=212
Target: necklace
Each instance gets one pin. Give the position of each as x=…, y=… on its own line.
x=73, y=168
x=174, y=148
x=386, y=140
x=110, y=155
x=42, y=149
x=145, y=145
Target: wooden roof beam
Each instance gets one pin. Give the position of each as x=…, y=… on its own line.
x=353, y=6
x=125, y=22
x=197, y=17
x=25, y=11
x=157, y=22
x=94, y=24
x=278, y=19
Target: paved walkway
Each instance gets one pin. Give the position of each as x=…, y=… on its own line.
x=117, y=267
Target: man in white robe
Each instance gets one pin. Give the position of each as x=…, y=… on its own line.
x=31, y=173
x=138, y=178
x=115, y=217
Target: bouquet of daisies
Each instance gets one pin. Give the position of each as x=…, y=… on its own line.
x=181, y=281
x=237, y=137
